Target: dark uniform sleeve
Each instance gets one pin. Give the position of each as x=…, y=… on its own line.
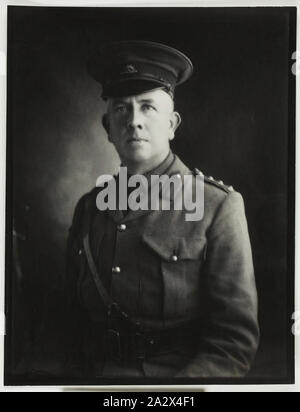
x=73, y=314
x=231, y=335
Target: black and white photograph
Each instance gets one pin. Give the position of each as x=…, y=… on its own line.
x=150, y=196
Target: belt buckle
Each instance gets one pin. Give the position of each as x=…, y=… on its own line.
x=114, y=344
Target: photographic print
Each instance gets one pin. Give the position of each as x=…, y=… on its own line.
x=150, y=195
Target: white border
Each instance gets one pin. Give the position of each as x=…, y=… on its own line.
x=3, y=26
x=140, y=3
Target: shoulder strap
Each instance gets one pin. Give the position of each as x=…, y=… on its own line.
x=106, y=298
x=108, y=302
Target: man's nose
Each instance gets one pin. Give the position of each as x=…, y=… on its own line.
x=135, y=120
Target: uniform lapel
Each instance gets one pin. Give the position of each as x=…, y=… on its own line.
x=116, y=215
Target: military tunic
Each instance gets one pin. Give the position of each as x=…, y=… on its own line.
x=167, y=272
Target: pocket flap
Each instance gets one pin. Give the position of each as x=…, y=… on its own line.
x=184, y=248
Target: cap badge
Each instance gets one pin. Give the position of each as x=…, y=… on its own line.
x=129, y=69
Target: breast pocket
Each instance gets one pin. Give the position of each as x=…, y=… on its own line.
x=181, y=260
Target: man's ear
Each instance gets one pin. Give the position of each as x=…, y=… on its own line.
x=105, y=123
x=175, y=122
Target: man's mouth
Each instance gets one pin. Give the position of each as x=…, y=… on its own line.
x=136, y=140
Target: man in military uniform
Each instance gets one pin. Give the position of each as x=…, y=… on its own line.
x=151, y=294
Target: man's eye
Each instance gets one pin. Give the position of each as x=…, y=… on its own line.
x=147, y=107
x=120, y=109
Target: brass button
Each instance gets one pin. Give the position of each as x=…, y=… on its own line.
x=174, y=258
x=116, y=269
x=122, y=228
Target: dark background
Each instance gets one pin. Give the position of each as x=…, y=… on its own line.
x=237, y=126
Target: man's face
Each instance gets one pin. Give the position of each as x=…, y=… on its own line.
x=142, y=126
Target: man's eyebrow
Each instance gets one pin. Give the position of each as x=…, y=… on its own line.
x=147, y=101
x=115, y=102
x=118, y=101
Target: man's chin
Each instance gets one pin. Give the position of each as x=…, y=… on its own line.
x=138, y=156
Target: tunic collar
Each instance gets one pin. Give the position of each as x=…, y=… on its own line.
x=170, y=166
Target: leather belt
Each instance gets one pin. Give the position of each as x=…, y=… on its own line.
x=127, y=345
